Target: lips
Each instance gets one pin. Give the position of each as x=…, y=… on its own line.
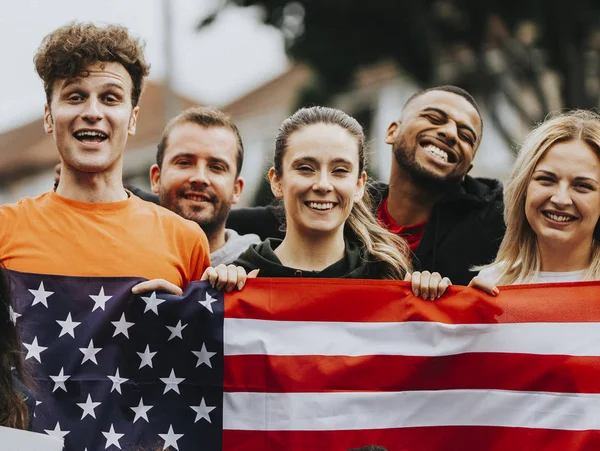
x=90, y=136
x=439, y=150
x=197, y=196
x=561, y=217
x=320, y=205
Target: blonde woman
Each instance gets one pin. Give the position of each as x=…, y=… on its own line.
x=552, y=207
x=319, y=174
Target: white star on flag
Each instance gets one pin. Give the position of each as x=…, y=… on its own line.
x=172, y=382
x=41, y=295
x=88, y=407
x=67, y=326
x=90, y=352
x=203, y=356
x=34, y=350
x=141, y=411
x=202, y=411
x=59, y=380
x=122, y=326
x=170, y=438
x=100, y=300
x=146, y=357
x=152, y=302
x=112, y=438
x=176, y=330
x=13, y=315
x=208, y=302
x=117, y=381
x=56, y=432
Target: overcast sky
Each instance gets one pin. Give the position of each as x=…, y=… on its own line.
x=234, y=55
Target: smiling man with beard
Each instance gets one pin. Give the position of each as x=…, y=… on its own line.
x=197, y=176
x=451, y=221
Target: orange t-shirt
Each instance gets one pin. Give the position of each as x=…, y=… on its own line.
x=51, y=234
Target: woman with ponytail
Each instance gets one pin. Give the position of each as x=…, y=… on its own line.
x=319, y=174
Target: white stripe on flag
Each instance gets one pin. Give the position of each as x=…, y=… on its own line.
x=248, y=336
x=382, y=410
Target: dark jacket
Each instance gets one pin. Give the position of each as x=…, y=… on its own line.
x=465, y=228
x=352, y=266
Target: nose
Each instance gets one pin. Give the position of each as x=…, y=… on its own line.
x=561, y=196
x=92, y=111
x=448, y=132
x=200, y=175
x=322, y=184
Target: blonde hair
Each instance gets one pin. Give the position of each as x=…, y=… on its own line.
x=380, y=245
x=519, y=256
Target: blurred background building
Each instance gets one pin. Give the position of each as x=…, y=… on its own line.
x=521, y=60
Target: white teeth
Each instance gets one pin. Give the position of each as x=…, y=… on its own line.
x=437, y=152
x=321, y=206
x=559, y=218
x=90, y=134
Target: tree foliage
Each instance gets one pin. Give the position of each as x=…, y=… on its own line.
x=527, y=55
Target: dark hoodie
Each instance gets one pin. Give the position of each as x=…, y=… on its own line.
x=465, y=228
x=352, y=266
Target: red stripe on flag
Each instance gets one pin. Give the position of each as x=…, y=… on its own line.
x=501, y=371
x=451, y=438
x=388, y=301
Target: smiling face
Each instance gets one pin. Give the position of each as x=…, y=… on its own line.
x=320, y=179
x=91, y=117
x=562, y=204
x=436, y=139
x=198, y=179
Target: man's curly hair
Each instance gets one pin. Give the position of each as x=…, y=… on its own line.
x=69, y=50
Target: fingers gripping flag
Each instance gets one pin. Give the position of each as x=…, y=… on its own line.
x=290, y=364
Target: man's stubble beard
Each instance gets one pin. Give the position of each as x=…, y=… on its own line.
x=420, y=175
x=211, y=225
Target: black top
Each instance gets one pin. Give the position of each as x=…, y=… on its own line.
x=353, y=266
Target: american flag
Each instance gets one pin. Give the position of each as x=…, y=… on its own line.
x=290, y=364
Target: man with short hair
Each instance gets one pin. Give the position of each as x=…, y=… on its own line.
x=451, y=221
x=197, y=176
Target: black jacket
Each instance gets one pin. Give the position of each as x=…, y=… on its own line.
x=465, y=228
x=352, y=266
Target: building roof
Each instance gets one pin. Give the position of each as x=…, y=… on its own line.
x=28, y=149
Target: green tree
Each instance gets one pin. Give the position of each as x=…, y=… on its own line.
x=527, y=55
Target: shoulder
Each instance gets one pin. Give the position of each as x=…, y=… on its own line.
x=164, y=218
x=491, y=273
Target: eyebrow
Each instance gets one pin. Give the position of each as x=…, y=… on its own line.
x=315, y=161
x=78, y=81
x=445, y=115
x=193, y=157
x=578, y=179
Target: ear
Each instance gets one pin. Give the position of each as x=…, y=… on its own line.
x=275, y=184
x=238, y=187
x=392, y=132
x=133, y=121
x=361, y=184
x=48, y=120
x=155, y=178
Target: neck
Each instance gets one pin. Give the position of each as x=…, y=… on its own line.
x=562, y=257
x=216, y=239
x=311, y=252
x=409, y=204
x=91, y=186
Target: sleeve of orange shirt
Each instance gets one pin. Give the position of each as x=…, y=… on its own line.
x=200, y=258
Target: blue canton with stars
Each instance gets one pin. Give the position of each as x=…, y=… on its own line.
x=122, y=371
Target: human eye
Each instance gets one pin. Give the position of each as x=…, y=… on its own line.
x=218, y=168
x=74, y=97
x=304, y=168
x=468, y=138
x=341, y=170
x=544, y=179
x=434, y=118
x=585, y=187
x=183, y=162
